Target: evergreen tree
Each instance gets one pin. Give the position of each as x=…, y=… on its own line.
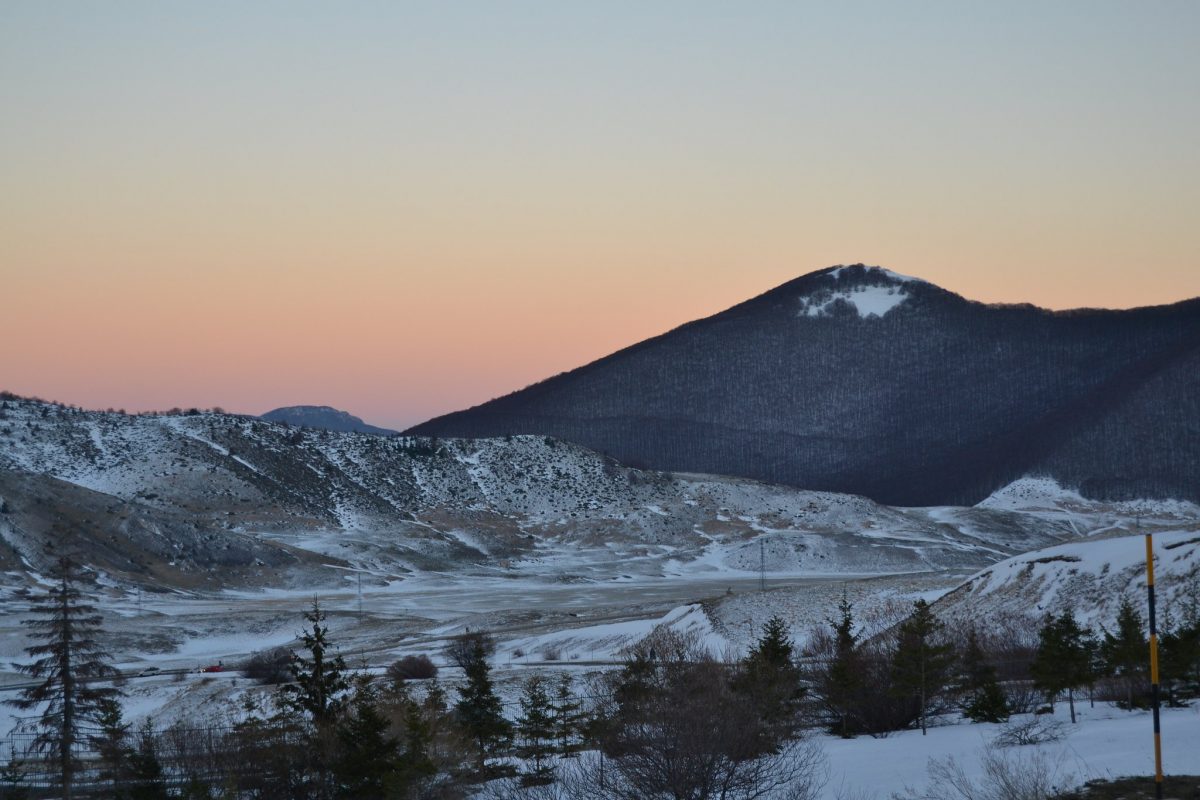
x=478, y=707
x=535, y=731
x=921, y=665
x=843, y=681
x=146, y=779
x=1127, y=653
x=1063, y=661
x=68, y=663
x=1179, y=658
x=435, y=697
x=317, y=695
x=769, y=679
x=319, y=682
x=367, y=763
x=985, y=701
x=11, y=778
x=636, y=683
x=416, y=764
x=569, y=718
x=112, y=744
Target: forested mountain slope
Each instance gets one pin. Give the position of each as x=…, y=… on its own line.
x=855, y=379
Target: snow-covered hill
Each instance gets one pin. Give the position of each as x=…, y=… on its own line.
x=211, y=485
x=1089, y=576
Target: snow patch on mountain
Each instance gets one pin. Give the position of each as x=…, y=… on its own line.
x=867, y=301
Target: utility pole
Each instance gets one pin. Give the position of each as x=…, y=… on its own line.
x=1158, y=772
x=762, y=564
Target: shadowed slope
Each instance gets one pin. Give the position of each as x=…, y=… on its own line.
x=855, y=379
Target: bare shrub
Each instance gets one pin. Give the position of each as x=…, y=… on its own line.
x=551, y=654
x=412, y=668
x=268, y=666
x=462, y=650
x=1035, y=730
x=1022, y=697
x=1006, y=776
x=796, y=772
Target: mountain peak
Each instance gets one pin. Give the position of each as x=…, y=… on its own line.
x=871, y=273
x=870, y=292
x=325, y=417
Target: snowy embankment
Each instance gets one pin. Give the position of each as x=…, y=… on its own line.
x=1105, y=743
x=1091, y=577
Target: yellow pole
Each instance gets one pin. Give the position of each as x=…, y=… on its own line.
x=1158, y=773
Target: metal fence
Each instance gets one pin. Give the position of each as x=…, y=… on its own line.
x=186, y=756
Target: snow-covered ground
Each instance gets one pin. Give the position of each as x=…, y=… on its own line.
x=1105, y=743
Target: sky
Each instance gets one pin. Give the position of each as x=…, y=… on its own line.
x=403, y=209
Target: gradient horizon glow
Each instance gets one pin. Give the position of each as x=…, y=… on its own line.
x=402, y=209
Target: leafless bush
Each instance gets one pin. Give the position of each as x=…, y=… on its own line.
x=462, y=649
x=268, y=666
x=796, y=772
x=412, y=668
x=1006, y=776
x=551, y=654
x=1035, y=730
x=1022, y=697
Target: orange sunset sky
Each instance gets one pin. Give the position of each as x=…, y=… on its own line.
x=402, y=209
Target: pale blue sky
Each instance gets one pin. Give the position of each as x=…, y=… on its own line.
x=575, y=176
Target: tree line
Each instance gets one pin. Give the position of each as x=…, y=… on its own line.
x=673, y=721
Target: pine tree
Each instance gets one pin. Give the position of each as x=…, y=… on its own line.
x=1179, y=657
x=1126, y=654
x=11, y=778
x=146, y=778
x=319, y=682
x=416, y=763
x=1063, y=661
x=435, y=697
x=569, y=718
x=367, y=763
x=843, y=681
x=922, y=663
x=478, y=707
x=69, y=662
x=985, y=701
x=317, y=694
x=535, y=731
x=112, y=744
x=769, y=679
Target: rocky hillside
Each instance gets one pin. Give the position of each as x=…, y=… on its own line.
x=212, y=499
x=858, y=380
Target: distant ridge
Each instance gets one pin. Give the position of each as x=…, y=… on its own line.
x=324, y=417
x=857, y=379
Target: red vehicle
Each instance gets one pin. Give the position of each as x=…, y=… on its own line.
x=217, y=667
